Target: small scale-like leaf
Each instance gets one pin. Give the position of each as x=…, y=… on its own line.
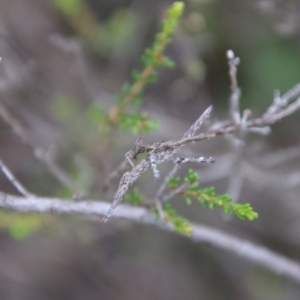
x=211, y=205
x=174, y=182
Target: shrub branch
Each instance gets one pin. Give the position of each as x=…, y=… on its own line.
x=200, y=234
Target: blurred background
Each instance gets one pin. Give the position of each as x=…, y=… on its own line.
x=62, y=57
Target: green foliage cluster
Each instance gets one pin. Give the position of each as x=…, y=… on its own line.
x=102, y=37
x=80, y=18
x=152, y=59
x=136, y=122
x=134, y=198
x=208, y=198
x=121, y=116
x=21, y=226
x=180, y=224
x=70, y=7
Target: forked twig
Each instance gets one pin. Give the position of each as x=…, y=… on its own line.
x=13, y=180
x=165, y=151
x=39, y=153
x=162, y=154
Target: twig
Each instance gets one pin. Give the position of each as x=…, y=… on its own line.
x=258, y=254
x=189, y=133
x=251, y=124
x=281, y=101
x=12, y=179
x=291, y=94
x=172, y=194
x=153, y=164
x=166, y=181
x=132, y=154
x=140, y=148
x=160, y=209
x=162, y=154
x=236, y=181
x=39, y=153
x=184, y=160
x=165, y=151
x=130, y=177
x=233, y=62
x=198, y=123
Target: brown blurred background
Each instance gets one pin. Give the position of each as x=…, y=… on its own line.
x=59, y=57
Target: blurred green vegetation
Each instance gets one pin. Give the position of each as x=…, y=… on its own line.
x=101, y=37
x=113, y=35
x=21, y=226
x=207, y=29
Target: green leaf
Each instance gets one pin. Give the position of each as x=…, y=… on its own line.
x=173, y=182
x=134, y=198
x=176, y=10
x=137, y=123
x=70, y=7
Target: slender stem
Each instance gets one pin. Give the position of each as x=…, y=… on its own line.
x=201, y=234
x=13, y=180
x=39, y=153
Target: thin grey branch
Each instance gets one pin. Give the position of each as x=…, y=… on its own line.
x=190, y=133
x=251, y=124
x=162, y=154
x=184, y=160
x=281, y=101
x=13, y=180
x=172, y=194
x=140, y=148
x=258, y=254
x=39, y=153
x=166, y=181
x=198, y=123
x=164, y=151
x=152, y=160
x=132, y=154
x=202, y=234
x=234, y=102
